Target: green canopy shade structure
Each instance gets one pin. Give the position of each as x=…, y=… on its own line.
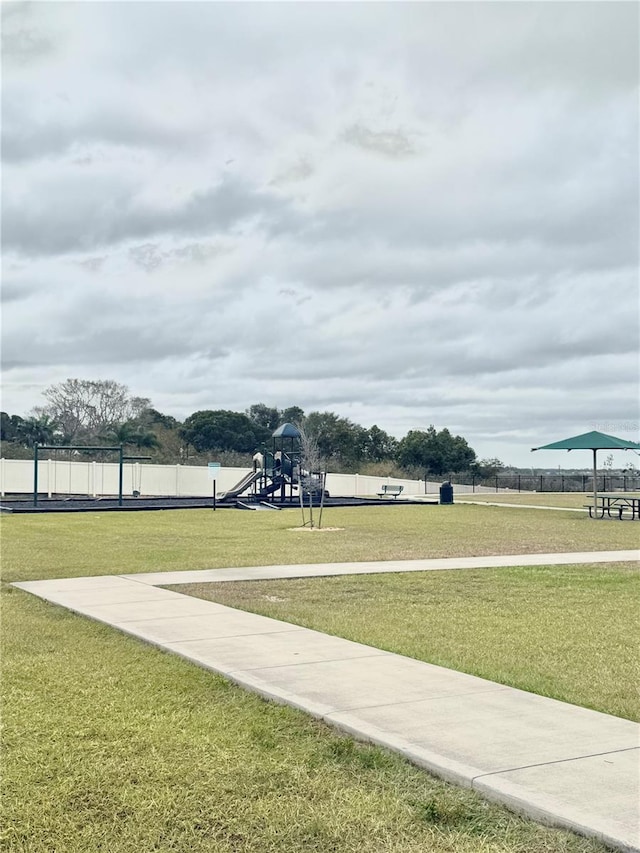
x=593, y=441
x=287, y=431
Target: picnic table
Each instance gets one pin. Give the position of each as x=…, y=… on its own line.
x=607, y=502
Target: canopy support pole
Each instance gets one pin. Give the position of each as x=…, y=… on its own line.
x=595, y=484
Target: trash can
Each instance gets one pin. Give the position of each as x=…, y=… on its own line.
x=446, y=493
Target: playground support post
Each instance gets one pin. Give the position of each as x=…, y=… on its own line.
x=35, y=475
x=120, y=474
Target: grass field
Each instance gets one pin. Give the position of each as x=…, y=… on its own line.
x=36, y=546
x=112, y=745
x=561, y=499
x=575, y=500
x=569, y=632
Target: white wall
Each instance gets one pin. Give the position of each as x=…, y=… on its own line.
x=101, y=478
x=348, y=485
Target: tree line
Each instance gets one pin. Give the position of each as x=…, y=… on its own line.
x=85, y=412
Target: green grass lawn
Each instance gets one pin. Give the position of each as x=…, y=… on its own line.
x=36, y=546
x=569, y=632
x=561, y=499
x=576, y=500
x=111, y=745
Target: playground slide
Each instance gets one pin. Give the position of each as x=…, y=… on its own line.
x=240, y=487
x=272, y=487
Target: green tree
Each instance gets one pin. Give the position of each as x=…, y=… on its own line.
x=340, y=442
x=223, y=430
x=486, y=467
x=432, y=452
x=37, y=430
x=133, y=434
x=292, y=415
x=153, y=418
x=270, y=417
x=266, y=417
x=9, y=426
x=379, y=445
x=170, y=446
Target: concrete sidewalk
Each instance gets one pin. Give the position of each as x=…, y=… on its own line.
x=380, y=567
x=556, y=762
x=463, y=500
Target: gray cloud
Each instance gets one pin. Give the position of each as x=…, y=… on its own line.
x=406, y=213
x=23, y=41
x=146, y=256
x=390, y=143
x=25, y=137
x=96, y=215
x=94, y=264
x=14, y=291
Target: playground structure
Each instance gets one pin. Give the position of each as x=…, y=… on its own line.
x=278, y=475
x=280, y=479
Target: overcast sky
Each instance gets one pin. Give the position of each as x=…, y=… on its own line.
x=409, y=214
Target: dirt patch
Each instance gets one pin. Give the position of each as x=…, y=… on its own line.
x=314, y=529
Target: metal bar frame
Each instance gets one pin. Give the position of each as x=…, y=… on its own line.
x=119, y=449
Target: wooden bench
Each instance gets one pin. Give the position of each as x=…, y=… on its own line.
x=389, y=489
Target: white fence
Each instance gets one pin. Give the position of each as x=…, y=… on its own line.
x=58, y=477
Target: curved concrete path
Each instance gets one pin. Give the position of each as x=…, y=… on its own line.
x=463, y=500
x=312, y=570
x=556, y=762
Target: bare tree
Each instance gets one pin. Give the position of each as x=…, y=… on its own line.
x=310, y=466
x=85, y=408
